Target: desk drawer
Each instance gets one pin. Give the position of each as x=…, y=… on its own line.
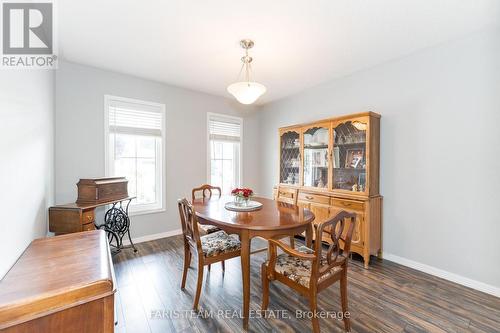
x=88, y=226
x=316, y=198
x=88, y=216
x=348, y=204
x=64, y=221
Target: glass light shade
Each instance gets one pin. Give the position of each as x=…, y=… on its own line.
x=246, y=92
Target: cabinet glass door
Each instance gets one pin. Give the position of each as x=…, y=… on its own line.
x=290, y=158
x=316, y=156
x=349, y=156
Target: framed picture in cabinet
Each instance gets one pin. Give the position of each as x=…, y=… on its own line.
x=354, y=158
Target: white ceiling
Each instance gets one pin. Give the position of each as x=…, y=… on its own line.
x=299, y=43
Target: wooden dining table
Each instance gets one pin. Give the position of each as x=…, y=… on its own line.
x=273, y=220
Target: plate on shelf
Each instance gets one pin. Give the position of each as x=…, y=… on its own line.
x=251, y=206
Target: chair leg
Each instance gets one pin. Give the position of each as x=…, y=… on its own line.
x=313, y=303
x=223, y=266
x=265, y=287
x=187, y=262
x=292, y=242
x=343, y=297
x=198, y=285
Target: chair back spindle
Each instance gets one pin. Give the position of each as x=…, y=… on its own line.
x=335, y=255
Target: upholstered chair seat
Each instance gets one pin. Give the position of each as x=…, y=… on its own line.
x=218, y=243
x=206, y=229
x=299, y=270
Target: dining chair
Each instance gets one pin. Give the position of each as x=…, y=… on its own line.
x=310, y=271
x=289, y=196
x=209, y=249
x=206, y=193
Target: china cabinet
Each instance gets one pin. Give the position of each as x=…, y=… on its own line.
x=334, y=165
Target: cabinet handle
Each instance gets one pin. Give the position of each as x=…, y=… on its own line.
x=346, y=204
x=309, y=198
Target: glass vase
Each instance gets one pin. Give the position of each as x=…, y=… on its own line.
x=240, y=201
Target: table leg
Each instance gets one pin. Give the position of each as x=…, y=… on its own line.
x=309, y=235
x=245, y=272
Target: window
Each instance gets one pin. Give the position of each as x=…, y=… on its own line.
x=224, y=141
x=135, y=141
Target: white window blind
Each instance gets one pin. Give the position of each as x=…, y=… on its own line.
x=224, y=151
x=135, y=118
x=224, y=129
x=135, y=132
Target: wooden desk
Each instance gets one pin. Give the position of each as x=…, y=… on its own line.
x=76, y=217
x=54, y=288
x=272, y=220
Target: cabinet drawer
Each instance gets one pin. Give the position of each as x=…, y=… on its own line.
x=348, y=204
x=88, y=216
x=308, y=197
x=286, y=195
x=88, y=226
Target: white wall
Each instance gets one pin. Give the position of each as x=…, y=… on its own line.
x=26, y=150
x=440, y=150
x=80, y=94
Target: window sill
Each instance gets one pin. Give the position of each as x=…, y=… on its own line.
x=146, y=211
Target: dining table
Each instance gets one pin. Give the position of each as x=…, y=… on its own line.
x=272, y=220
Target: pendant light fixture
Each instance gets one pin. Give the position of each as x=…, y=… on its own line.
x=246, y=91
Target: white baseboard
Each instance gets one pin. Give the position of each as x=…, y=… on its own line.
x=481, y=286
x=148, y=238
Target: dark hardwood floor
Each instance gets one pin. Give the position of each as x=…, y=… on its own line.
x=385, y=298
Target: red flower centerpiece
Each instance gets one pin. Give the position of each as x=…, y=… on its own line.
x=241, y=196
